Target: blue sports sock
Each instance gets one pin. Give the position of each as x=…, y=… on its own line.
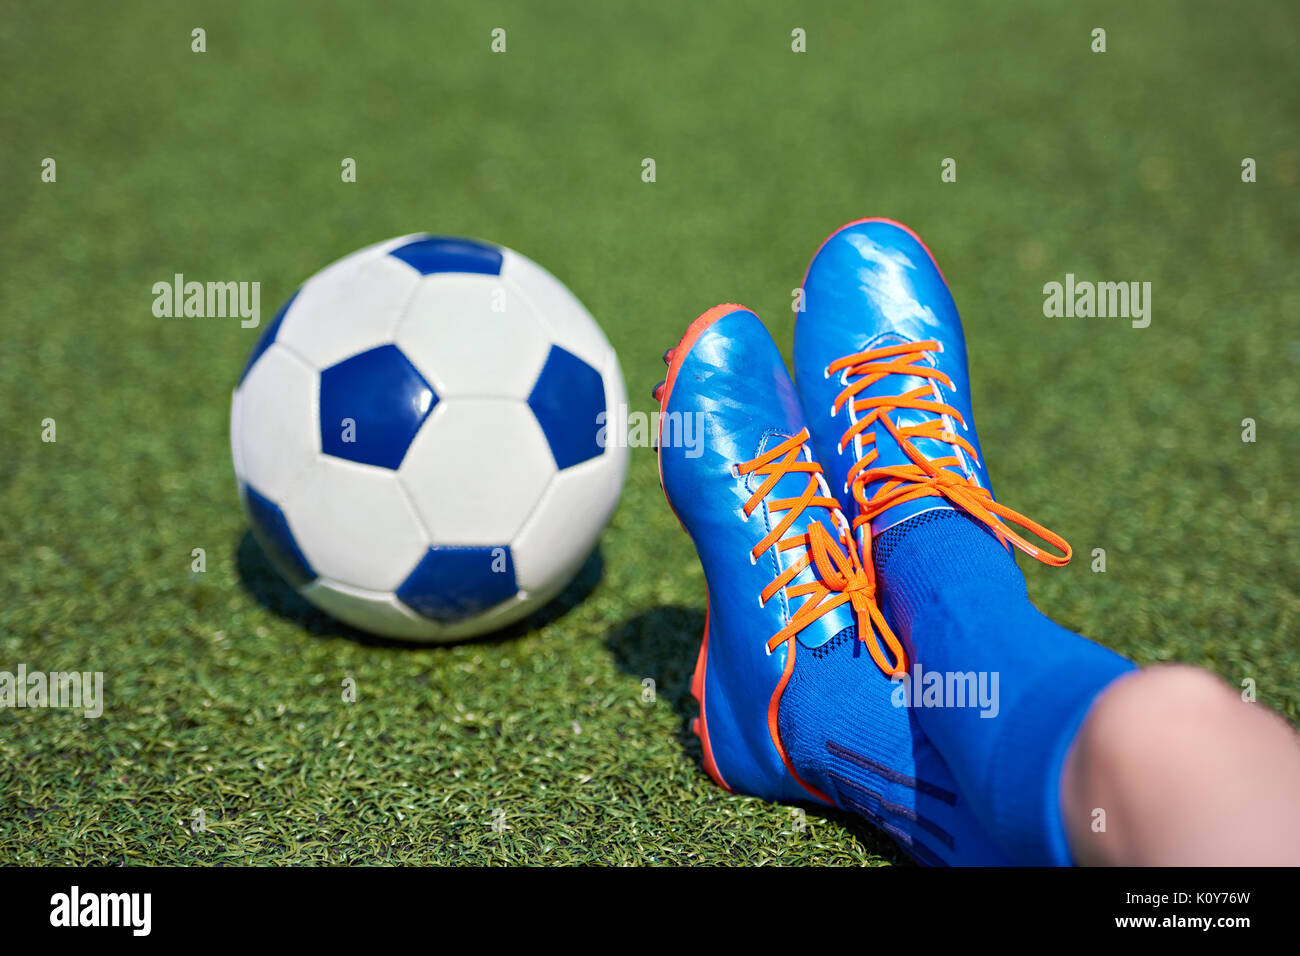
x=845, y=736
x=957, y=599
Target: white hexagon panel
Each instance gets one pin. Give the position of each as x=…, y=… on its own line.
x=419, y=437
x=489, y=502
x=273, y=429
x=505, y=343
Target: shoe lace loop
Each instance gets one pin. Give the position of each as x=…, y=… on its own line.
x=922, y=477
x=841, y=575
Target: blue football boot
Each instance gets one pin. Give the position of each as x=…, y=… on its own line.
x=880, y=362
x=792, y=678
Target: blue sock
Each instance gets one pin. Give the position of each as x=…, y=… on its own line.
x=846, y=737
x=958, y=601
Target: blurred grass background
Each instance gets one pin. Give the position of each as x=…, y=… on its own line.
x=224, y=692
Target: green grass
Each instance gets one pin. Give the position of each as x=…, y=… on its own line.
x=224, y=692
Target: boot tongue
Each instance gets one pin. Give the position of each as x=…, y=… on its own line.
x=793, y=485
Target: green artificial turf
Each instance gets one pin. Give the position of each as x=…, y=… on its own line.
x=224, y=691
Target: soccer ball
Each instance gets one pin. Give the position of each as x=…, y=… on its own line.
x=419, y=437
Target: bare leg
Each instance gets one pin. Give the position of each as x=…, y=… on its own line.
x=1186, y=772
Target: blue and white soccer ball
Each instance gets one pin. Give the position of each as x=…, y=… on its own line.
x=419, y=437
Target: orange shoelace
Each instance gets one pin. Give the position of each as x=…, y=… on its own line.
x=841, y=575
x=923, y=477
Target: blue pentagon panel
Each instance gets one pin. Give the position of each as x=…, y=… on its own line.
x=452, y=583
x=271, y=529
x=567, y=400
x=386, y=401
x=268, y=336
x=448, y=254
